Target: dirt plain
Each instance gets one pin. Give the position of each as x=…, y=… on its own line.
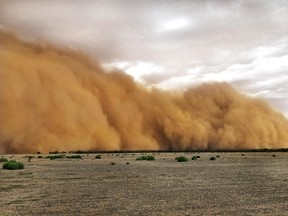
x=250, y=183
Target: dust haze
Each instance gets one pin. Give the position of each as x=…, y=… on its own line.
x=57, y=99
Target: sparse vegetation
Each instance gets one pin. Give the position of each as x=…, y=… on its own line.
x=194, y=158
x=30, y=157
x=98, y=157
x=13, y=165
x=150, y=157
x=181, y=159
x=146, y=157
x=212, y=158
x=112, y=163
x=61, y=179
x=52, y=157
x=74, y=156
x=3, y=160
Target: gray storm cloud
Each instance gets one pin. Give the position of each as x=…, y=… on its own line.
x=243, y=42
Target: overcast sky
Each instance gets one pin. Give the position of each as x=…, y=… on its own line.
x=170, y=44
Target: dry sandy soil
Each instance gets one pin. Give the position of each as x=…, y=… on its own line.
x=234, y=184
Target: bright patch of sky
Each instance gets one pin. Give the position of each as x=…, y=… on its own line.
x=174, y=25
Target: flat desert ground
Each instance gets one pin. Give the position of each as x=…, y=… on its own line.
x=248, y=183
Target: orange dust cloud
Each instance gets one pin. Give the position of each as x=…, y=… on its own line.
x=55, y=99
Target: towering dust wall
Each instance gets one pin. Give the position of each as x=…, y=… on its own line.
x=54, y=99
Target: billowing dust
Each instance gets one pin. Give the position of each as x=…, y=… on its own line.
x=55, y=99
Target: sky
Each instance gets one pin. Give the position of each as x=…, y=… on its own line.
x=169, y=44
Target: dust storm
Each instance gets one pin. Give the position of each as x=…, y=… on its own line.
x=57, y=99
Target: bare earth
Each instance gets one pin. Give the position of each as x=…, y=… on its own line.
x=253, y=184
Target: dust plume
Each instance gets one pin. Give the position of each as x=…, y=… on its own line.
x=55, y=99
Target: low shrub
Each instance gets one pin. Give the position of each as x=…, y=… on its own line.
x=13, y=165
x=52, y=157
x=181, y=159
x=194, y=158
x=112, y=163
x=148, y=158
x=127, y=163
x=212, y=158
x=30, y=157
x=2, y=160
x=20, y=165
x=74, y=156
x=98, y=157
x=10, y=166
